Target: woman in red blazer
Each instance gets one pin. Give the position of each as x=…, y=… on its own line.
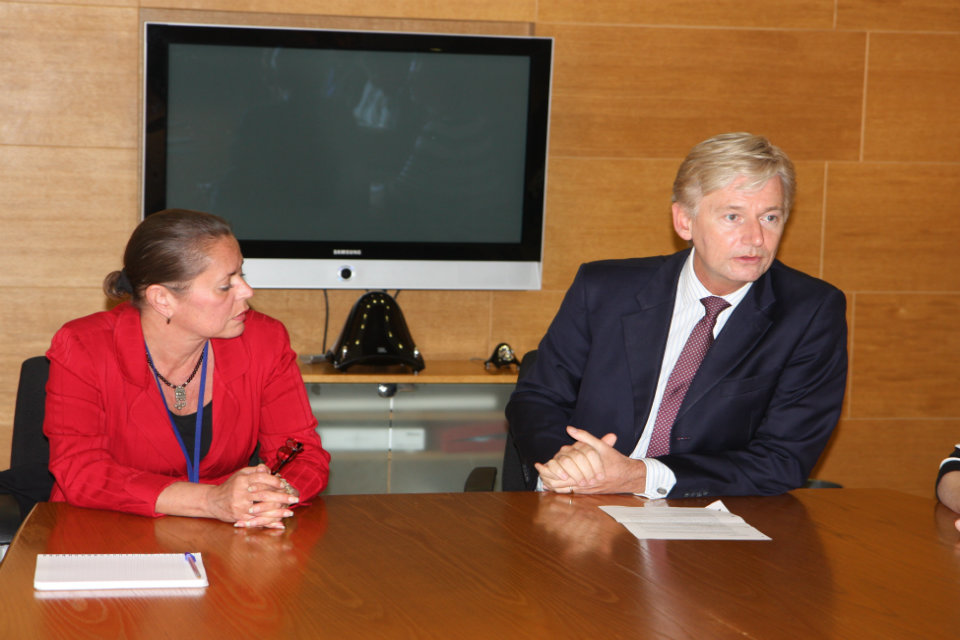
x=155, y=406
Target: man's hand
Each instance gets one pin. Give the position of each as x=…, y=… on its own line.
x=592, y=465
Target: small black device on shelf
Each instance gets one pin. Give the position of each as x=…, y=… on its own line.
x=502, y=356
x=375, y=333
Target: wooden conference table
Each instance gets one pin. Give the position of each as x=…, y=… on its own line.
x=843, y=563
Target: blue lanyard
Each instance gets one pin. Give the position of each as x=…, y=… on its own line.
x=193, y=468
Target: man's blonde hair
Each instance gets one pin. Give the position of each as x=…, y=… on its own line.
x=715, y=163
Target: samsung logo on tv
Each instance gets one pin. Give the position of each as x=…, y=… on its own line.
x=347, y=252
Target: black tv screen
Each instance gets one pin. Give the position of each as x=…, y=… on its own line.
x=355, y=159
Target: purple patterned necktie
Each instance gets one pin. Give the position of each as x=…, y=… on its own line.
x=679, y=381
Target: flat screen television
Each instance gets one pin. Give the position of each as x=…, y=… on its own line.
x=359, y=160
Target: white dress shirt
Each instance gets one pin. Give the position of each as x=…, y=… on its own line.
x=687, y=312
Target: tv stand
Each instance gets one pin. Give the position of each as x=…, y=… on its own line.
x=436, y=372
x=390, y=430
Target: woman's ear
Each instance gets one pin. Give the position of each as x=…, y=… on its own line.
x=160, y=299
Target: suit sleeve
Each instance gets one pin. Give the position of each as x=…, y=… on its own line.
x=543, y=402
x=794, y=426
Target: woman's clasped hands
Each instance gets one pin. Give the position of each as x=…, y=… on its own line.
x=253, y=497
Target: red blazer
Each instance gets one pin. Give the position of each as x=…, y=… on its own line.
x=111, y=442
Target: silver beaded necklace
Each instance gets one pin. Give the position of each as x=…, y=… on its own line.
x=179, y=390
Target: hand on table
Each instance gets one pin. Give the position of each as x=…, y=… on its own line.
x=592, y=465
x=253, y=497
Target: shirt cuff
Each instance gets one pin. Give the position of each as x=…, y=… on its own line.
x=660, y=479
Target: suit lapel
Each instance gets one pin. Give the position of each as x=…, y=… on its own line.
x=645, y=335
x=749, y=322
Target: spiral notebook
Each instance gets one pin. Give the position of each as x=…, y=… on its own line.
x=59, y=572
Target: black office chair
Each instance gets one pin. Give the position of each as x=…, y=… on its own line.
x=28, y=480
x=516, y=476
x=813, y=483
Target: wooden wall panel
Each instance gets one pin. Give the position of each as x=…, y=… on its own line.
x=305, y=315
x=29, y=316
x=895, y=454
x=606, y=208
x=865, y=106
x=620, y=208
x=520, y=318
x=789, y=14
x=79, y=224
x=655, y=92
x=913, y=89
x=915, y=15
x=66, y=213
x=101, y=3
x=69, y=75
x=506, y=10
x=359, y=22
x=904, y=356
x=444, y=324
x=892, y=227
x=802, y=240
x=449, y=324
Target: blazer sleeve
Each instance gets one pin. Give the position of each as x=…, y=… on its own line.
x=793, y=427
x=285, y=414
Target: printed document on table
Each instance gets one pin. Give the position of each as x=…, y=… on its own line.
x=713, y=522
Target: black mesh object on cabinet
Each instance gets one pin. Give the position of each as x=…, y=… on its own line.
x=375, y=333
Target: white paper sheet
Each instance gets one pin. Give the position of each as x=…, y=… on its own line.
x=713, y=522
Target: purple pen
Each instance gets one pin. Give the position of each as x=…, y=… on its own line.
x=193, y=565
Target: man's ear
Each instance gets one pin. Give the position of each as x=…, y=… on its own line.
x=160, y=299
x=682, y=222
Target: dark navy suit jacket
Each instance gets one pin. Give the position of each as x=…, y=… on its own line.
x=759, y=411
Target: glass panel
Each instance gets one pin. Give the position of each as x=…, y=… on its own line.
x=353, y=425
x=462, y=427
x=409, y=438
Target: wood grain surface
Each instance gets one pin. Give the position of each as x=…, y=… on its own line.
x=842, y=563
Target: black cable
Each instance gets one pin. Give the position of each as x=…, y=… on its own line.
x=326, y=319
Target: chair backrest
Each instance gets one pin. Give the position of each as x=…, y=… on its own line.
x=28, y=478
x=517, y=476
x=30, y=446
